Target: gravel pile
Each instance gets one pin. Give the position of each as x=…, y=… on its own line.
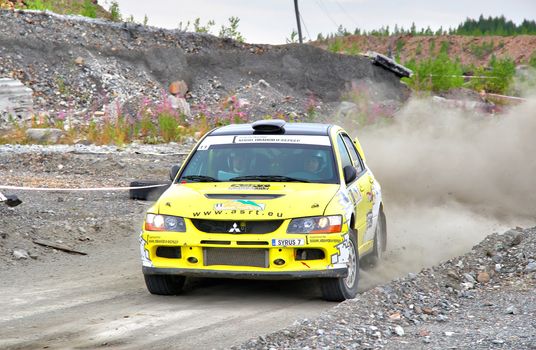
x=482, y=300
x=81, y=68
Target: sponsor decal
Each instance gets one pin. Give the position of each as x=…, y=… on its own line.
x=163, y=241
x=239, y=205
x=346, y=204
x=215, y=140
x=356, y=194
x=343, y=254
x=241, y=212
x=249, y=187
x=145, y=259
x=369, y=219
x=303, y=139
x=288, y=242
x=324, y=240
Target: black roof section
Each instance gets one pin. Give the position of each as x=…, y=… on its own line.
x=287, y=129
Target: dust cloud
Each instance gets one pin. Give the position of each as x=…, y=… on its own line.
x=449, y=178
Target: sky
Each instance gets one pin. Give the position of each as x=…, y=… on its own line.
x=272, y=21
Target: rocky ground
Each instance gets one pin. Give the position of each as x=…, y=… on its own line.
x=76, y=219
x=80, y=68
x=484, y=299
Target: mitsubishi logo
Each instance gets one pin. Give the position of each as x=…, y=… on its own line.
x=234, y=228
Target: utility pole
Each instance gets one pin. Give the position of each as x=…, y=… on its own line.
x=298, y=20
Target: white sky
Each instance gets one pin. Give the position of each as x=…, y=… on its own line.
x=272, y=21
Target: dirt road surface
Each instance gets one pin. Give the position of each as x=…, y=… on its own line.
x=101, y=301
x=57, y=300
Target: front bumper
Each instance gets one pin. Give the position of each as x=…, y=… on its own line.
x=265, y=275
x=245, y=256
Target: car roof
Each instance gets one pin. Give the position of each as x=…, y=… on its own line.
x=288, y=129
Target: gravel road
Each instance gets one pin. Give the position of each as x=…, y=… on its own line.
x=53, y=299
x=56, y=300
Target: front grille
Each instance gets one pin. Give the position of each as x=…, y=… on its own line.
x=236, y=257
x=236, y=226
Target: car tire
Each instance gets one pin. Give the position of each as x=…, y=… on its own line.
x=380, y=244
x=164, y=284
x=151, y=193
x=340, y=289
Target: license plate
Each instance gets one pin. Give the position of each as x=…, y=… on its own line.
x=288, y=242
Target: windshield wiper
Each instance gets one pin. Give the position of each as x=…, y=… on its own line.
x=200, y=178
x=268, y=178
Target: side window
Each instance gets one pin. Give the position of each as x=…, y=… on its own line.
x=345, y=157
x=353, y=153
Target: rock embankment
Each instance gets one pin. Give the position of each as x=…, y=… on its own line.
x=82, y=67
x=483, y=300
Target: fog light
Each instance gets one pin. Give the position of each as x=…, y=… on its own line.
x=279, y=262
x=192, y=260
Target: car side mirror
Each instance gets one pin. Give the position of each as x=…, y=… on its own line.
x=350, y=174
x=173, y=172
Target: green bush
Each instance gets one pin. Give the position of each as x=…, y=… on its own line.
x=89, y=9
x=39, y=5
x=532, y=60
x=497, y=78
x=335, y=45
x=438, y=74
x=115, y=13
x=232, y=30
x=481, y=51
x=353, y=50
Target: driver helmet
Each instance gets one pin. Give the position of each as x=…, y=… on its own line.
x=314, y=163
x=237, y=162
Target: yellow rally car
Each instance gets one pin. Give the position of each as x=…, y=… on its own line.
x=267, y=200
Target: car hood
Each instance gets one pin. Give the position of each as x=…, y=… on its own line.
x=241, y=200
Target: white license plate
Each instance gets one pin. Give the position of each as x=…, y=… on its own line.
x=288, y=242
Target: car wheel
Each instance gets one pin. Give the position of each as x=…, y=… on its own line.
x=151, y=193
x=380, y=244
x=340, y=289
x=164, y=284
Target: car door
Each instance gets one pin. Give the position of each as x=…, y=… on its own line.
x=362, y=192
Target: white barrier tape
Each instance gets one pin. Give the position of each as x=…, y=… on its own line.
x=508, y=97
x=462, y=76
x=77, y=189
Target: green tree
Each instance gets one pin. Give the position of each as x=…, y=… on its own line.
x=438, y=74
x=115, y=13
x=497, y=78
x=199, y=28
x=232, y=30
x=413, y=29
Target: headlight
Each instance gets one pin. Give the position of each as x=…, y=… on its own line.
x=316, y=224
x=156, y=222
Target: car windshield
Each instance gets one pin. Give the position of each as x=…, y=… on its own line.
x=287, y=158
